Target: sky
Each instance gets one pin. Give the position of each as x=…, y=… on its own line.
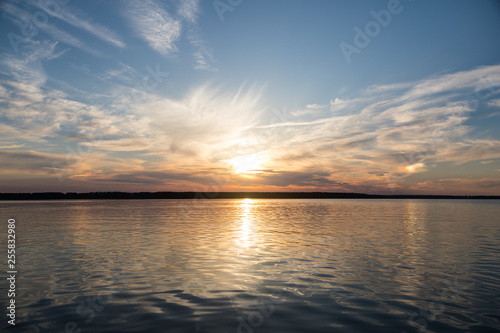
x=389, y=97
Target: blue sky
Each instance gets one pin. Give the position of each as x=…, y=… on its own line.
x=364, y=96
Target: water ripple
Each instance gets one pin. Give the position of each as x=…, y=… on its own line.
x=258, y=266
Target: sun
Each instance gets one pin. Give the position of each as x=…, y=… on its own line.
x=409, y=168
x=417, y=167
x=246, y=163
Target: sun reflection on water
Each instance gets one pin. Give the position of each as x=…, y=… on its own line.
x=246, y=236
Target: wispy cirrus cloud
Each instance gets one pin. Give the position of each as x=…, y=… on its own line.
x=400, y=130
x=162, y=29
x=494, y=103
x=361, y=144
x=59, y=35
x=203, y=54
x=19, y=14
x=189, y=9
x=316, y=106
x=88, y=142
x=154, y=24
x=78, y=19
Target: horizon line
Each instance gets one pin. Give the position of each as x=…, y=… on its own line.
x=117, y=195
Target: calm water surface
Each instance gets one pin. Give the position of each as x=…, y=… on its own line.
x=256, y=266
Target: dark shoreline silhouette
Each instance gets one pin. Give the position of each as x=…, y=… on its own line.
x=222, y=195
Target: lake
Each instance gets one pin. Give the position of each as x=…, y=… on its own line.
x=270, y=265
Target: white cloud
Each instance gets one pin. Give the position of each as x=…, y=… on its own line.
x=123, y=72
x=386, y=88
x=76, y=19
x=316, y=106
x=124, y=144
x=188, y=9
x=204, y=58
x=377, y=138
x=474, y=81
x=8, y=145
x=203, y=54
x=192, y=130
x=154, y=24
x=494, y=103
x=338, y=104
x=201, y=123
x=382, y=134
x=163, y=29
x=66, y=38
x=20, y=16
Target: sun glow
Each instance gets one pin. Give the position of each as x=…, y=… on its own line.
x=414, y=167
x=409, y=168
x=246, y=163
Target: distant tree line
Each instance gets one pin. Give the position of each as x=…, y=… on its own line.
x=219, y=195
